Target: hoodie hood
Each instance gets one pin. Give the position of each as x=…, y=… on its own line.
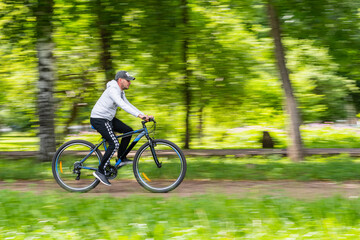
x=112, y=83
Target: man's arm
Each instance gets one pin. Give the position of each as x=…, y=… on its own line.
x=141, y=115
x=132, y=106
x=114, y=95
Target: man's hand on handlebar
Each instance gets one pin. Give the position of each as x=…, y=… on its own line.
x=146, y=118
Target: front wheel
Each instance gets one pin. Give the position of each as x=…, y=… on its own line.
x=73, y=165
x=163, y=177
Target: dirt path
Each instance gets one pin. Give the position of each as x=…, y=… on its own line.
x=123, y=188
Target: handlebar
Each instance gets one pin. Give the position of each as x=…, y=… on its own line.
x=150, y=120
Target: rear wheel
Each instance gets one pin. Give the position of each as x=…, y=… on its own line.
x=155, y=178
x=68, y=170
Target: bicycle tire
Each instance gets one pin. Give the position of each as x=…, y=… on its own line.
x=169, y=175
x=63, y=166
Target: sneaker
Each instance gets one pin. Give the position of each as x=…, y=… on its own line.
x=125, y=161
x=102, y=178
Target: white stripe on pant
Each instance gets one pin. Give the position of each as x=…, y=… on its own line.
x=112, y=135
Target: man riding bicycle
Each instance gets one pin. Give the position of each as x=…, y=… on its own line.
x=104, y=121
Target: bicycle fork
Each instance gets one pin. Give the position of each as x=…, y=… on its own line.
x=152, y=147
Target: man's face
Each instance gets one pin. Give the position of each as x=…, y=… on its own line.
x=124, y=84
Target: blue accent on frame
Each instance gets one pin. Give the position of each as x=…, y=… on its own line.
x=130, y=133
x=93, y=150
x=118, y=162
x=139, y=137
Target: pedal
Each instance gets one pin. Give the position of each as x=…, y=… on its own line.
x=78, y=177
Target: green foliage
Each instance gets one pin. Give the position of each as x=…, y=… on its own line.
x=331, y=137
x=17, y=141
x=65, y=216
x=330, y=24
x=17, y=98
x=18, y=65
x=322, y=93
x=233, y=82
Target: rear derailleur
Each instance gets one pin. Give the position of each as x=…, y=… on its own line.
x=77, y=167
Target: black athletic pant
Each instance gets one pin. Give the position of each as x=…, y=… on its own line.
x=106, y=128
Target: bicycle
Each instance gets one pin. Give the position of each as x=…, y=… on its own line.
x=159, y=165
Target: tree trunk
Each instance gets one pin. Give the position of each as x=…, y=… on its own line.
x=46, y=109
x=351, y=111
x=73, y=115
x=202, y=103
x=187, y=72
x=105, y=39
x=201, y=124
x=295, y=147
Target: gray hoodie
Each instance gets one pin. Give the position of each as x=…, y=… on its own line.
x=110, y=100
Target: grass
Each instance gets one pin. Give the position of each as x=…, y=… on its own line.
x=25, y=169
x=71, y=216
x=336, y=168
x=18, y=142
x=314, y=136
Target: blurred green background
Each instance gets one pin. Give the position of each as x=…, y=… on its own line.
x=207, y=71
x=223, y=48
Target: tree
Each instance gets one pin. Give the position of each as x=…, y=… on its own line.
x=330, y=24
x=104, y=26
x=222, y=47
x=45, y=46
x=295, y=146
x=80, y=75
x=186, y=70
x=18, y=64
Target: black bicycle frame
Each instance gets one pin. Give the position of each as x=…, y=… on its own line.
x=142, y=132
